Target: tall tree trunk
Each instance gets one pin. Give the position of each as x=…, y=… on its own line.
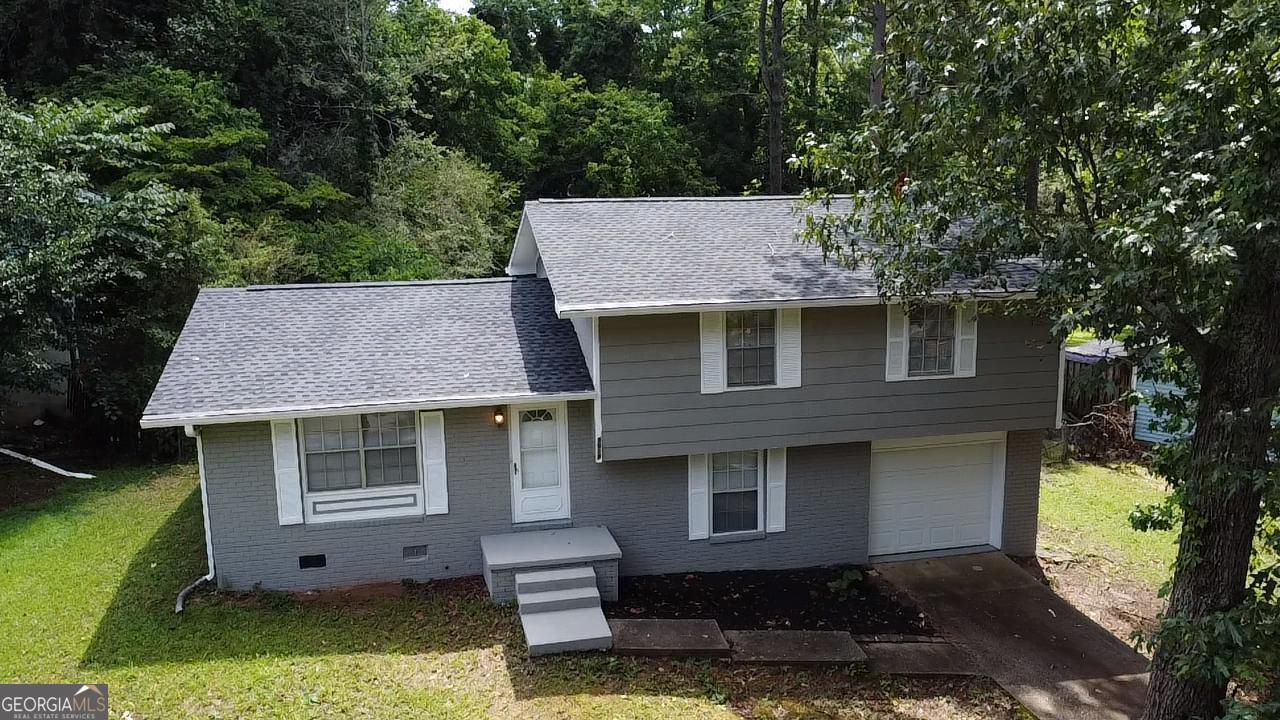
x=1238, y=387
x=1031, y=184
x=879, y=22
x=813, y=20
x=708, y=10
x=770, y=38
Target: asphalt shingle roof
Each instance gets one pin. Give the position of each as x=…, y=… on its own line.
x=659, y=252
x=266, y=350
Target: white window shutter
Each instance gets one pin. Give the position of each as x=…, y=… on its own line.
x=712, y=324
x=435, y=474
x=789, y=347
x=895, y=353
x=967, y=339
x=775, y=510
x=284, y=446
x=699, y=498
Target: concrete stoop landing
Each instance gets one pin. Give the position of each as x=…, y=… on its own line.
x=557, y=578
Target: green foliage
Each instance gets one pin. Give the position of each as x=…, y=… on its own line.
x=846, y=585
x=616, y=142
x=439, y=202
x=214, y=148
x=464, y=90
x=104, y=274
x=1157, y=217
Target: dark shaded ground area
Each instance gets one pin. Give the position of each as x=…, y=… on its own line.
x=803, y=599
x=65, y=444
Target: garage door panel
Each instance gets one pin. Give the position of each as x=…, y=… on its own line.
x=931, y=498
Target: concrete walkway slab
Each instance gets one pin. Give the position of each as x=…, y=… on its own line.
x=1055, y=660
x=916, y=658
x=669, y=638
x=794, y=647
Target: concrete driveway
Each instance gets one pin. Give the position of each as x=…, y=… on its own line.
x=1055, y=660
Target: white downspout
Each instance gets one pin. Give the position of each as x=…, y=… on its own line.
x=181, y=602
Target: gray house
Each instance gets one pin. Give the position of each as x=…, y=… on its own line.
x=660, y=385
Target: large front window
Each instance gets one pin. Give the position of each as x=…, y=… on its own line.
x=360, y=451
x=931, y=336
x=737, y=500
x=750, y=349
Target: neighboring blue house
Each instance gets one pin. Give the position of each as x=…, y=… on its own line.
x=1144, y=415
x=1124, y=376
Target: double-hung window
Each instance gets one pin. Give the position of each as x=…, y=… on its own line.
x=750, y=348
x=737, y=492
x=360, y=451
x=931, y=337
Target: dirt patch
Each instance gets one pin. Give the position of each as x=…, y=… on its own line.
x=22, y=483
x=353, y=598
x=1099, y=589
x=805, y=599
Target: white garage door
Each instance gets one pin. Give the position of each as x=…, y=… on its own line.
x=934, y=497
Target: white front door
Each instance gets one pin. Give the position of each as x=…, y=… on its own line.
x=539, y=463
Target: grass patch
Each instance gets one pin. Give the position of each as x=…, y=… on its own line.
x=1080, y=336
x=1084, y=509
x=87, y=584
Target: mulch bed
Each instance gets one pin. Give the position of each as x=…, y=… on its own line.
x=800, y=599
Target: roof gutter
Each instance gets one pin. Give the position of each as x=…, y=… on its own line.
x=649, y=308
x=281, y=413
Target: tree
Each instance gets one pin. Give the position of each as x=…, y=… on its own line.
x=711, y=78
x=105, y=276
x=772, y=63
x=616, y=142
x=440, y=203
x=465, y=92
x=1157, y=124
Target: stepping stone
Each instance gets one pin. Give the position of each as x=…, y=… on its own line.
x=915, y=658
x=794, y=647
x=669, y=638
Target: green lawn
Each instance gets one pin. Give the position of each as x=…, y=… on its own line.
x=1084, y=509
x=1080, y=337
x=88, y=579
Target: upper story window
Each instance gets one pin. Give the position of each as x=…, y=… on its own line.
x=931, y=340
x=360, y=451
x=750, y=348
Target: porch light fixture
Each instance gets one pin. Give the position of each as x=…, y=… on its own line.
x=499, y=416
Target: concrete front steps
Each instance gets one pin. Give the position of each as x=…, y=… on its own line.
x=560, y=610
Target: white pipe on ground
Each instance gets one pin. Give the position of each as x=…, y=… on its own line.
x=44, y=465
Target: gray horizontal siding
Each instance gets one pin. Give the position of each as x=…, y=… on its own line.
x=652, y=405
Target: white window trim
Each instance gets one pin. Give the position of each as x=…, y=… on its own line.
x=788, y=349
x=906, y=350
x=365, y=494
x=724, y=352
x=762, y=487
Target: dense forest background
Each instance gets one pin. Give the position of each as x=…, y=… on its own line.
x=236, y=142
